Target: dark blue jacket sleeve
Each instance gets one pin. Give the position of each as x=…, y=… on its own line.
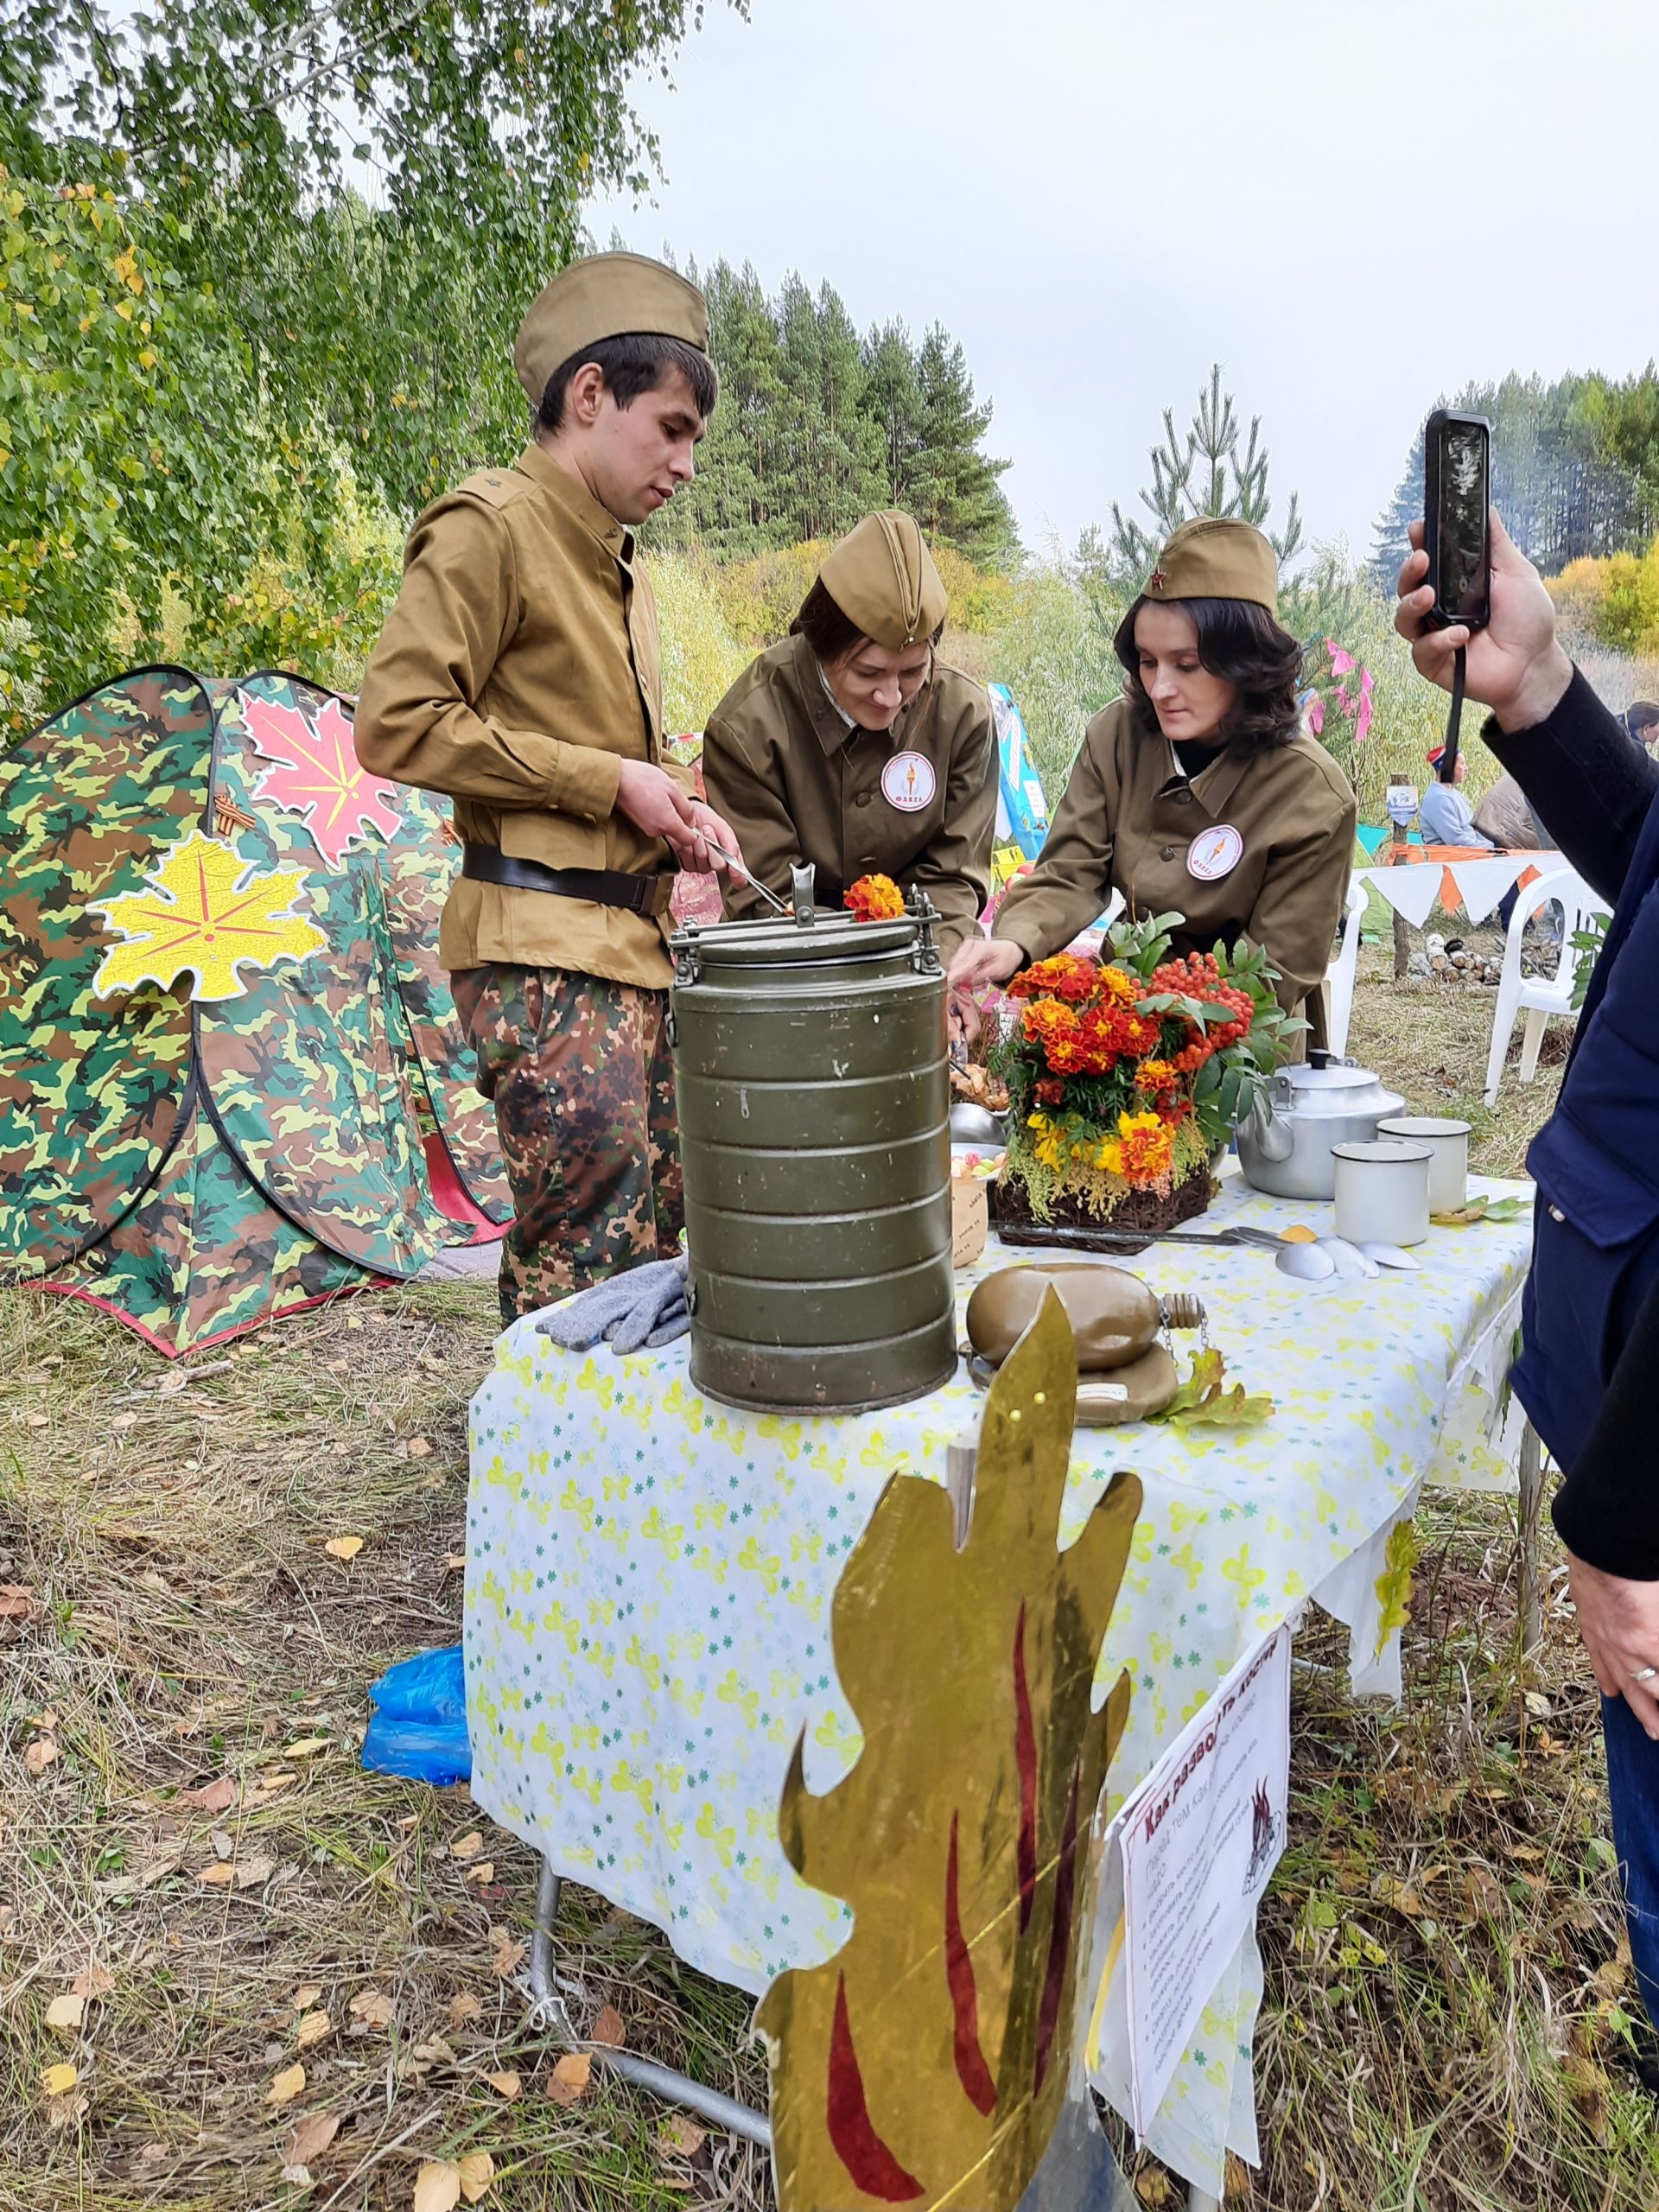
x=1588, y=785
x=1593, y=790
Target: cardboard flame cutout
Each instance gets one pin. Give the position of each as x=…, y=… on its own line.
x=314, y=773
x=928, y=2062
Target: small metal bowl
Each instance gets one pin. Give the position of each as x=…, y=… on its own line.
x=971, y=1124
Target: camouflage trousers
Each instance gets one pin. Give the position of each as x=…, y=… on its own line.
x=582, y=1082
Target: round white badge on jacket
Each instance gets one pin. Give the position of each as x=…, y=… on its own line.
x=1215, y=853
x=908, y=782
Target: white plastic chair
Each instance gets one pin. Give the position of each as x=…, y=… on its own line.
x=1339, y=977
x=1538, y=996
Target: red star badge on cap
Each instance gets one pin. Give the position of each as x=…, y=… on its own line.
x=1156, y=581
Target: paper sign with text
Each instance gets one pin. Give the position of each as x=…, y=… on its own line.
x=1199, y=1840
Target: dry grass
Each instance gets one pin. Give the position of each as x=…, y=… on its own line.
x=192, y=1629
x=1444, y=2020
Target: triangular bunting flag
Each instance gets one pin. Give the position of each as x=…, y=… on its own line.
x=1410, y=890
x=1481, y=884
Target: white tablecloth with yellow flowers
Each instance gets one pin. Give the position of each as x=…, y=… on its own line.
x=649, y=1577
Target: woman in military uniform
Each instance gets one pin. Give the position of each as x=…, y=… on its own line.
x=1197, y=793
x=850, y=745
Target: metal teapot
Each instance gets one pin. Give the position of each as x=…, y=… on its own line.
x=1285, y=1146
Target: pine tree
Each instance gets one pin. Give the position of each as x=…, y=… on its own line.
x=894, y=397
x=1203, y=473
x=954, y=494
x=1575, y=468
x=1390, y=541
x=831, y=451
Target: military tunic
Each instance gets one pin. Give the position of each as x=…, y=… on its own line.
x=517, y=671
x=799, y=783
x=1258, y=845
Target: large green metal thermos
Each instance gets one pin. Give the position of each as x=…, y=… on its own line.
x=814, y=1107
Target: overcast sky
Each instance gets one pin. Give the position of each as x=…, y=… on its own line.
x=1352, y=206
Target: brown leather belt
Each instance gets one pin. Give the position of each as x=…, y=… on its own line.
x=603, y=886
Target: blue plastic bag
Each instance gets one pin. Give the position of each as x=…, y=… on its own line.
x=419, y=1726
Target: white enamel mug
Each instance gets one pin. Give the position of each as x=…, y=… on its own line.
x=1448, y=1146
x=1383, y=1192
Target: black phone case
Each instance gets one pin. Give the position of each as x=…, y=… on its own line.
x=1434, y=432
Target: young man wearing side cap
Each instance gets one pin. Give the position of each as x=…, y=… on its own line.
x=850, y=745
x=519, y=673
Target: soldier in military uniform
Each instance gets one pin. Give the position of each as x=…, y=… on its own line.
x=1197, y=793
x=519, y=673
x=850, y=745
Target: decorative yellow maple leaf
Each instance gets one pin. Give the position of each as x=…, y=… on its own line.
x=203, y=911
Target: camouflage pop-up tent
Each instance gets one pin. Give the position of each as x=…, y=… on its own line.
x=232, y=1081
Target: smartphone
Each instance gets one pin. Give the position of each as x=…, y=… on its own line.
x=1457, y=502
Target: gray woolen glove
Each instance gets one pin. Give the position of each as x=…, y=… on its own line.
x=674, y=1320
x=624, y=1308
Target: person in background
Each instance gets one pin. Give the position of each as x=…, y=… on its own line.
x=1198, y=792
x=520, y=671
x=1443, y=812
x=1642, y=720
x=1590, y=1328
x=850, y=745
x=1505, y=819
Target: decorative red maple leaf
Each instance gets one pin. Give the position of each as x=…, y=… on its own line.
x=316, y=774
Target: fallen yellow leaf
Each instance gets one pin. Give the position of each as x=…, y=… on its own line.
x=466, y=1847
x=437, y=2186
x=680, y=2137
x=96, y=1981
x=343, y=1546
x=307, y=1995
x=464, y=2006
x=286, y=2086
x=418, y=1447
x=506, y=2085
x=311, y=2136
x=505, y=1955
x=569, y=2077
x=40, y=1755
x=312, y=2028
x=308, y=1747
x=66, y=2012
x=221, y=1872
x=609, y=2028
x=482, y=1873
x=477, y=2171
x=370, y=2004
x=58, y=2081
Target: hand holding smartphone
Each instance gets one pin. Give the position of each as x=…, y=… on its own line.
x=1457, y=508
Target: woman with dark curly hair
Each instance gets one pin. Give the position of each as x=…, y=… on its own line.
x=1197, y=793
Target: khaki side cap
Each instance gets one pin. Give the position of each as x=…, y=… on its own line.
x=882, y=577
x=1216, y=558
x=606, y=295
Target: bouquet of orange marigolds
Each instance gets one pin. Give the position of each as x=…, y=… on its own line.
x=1126, y=1075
